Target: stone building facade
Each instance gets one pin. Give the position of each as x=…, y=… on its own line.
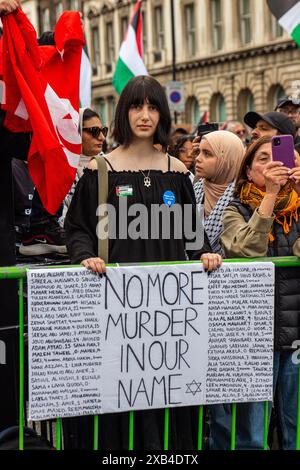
x=231, y=54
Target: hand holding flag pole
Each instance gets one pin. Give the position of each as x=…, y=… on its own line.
x=8, y=6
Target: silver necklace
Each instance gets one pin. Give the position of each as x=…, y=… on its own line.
x=147, y=179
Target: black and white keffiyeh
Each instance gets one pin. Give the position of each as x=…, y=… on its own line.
x=213, y=224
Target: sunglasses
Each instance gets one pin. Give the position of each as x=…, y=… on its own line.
x=96, y=131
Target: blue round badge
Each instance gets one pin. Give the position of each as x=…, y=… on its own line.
x=169, y=198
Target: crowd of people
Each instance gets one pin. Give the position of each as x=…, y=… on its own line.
x=251, y=207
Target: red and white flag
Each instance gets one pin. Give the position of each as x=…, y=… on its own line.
x=42, y=97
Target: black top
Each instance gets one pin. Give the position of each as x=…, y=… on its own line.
x=81, y=219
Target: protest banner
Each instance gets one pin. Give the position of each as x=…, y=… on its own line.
x=149, y=337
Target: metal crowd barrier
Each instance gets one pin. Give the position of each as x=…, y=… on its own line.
x=20, y=274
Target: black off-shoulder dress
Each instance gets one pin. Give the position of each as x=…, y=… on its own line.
x=81, y=220
x=82, y=243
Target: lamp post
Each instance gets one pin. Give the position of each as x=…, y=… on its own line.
x=173, y=49
x=173, y=41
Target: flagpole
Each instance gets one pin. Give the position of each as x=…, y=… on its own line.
x=173, y=50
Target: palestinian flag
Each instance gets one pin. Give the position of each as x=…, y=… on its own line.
x=287, y=13
x=204, y=118
x=130, y=62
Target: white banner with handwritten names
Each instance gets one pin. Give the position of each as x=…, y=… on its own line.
x=148, y=337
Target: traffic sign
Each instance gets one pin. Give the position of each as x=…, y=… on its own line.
x=175, y=96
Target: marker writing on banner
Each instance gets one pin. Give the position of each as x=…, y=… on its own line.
x=157, y=355
x=154, y=350
x=161, y=386
x=145, y=324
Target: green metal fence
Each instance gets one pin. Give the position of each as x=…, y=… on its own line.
x=20, y=274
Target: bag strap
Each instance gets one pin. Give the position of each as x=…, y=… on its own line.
x=102, y=200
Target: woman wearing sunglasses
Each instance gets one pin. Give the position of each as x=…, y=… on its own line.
x=142, y=174
x=93, y=137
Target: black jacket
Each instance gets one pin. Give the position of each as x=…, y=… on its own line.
x=287, y=282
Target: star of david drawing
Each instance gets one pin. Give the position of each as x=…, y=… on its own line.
x=194, y=387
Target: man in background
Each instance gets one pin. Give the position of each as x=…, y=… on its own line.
x=239, y=130
x=269, y=124
x=291, y=108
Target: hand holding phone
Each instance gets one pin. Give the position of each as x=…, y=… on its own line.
x=283, y=150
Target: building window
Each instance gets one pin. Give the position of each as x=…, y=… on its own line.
x=101, y=108
x=145, y=42
x=195, y=113
x=123, y=27
x=192, y=111
x=279, y=94
x=189, y=15
x=58, y=10
x=217, y=25
x=46, y=20
x=276, y=29
x=221, y=109
x=218, y=108
x=159, y=33
x=251, y=103
x=245, y=103
x=275, y=93
x=245, y=17
x=74, y=5
x=95, y=49
x=110, y=47
x=111, y=106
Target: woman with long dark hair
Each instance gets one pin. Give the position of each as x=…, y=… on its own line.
x=183, y=150
x=142, y=119
x=141, y=174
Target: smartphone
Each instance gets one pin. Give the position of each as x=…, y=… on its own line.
x=206, y=128
x=283, y=150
